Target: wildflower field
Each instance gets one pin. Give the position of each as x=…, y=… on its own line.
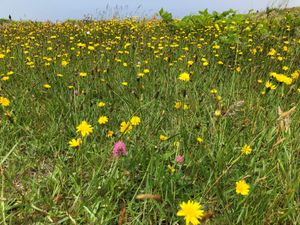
x=159, y=121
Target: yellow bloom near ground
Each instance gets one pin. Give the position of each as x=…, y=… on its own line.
x=5, y=78
x=246, y=149
x=64, y=63
x=125, y=127
x=74, y=143
x=242, y=187
x=82, y=74
x=47, y=86
x=135, y=120
x=270, y=86
x=4, y=101
x=217, y=113
x=101, y=104
x=163, y=137
x=199, y=139
x=184, y=76
x=191, y=211
x=295, y=75
x=178, y=105
x=109, y=133
x=84, y=128
x=103, y=120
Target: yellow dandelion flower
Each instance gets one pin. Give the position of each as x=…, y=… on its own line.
x=163, y=137
x=242, y=187
x=4, y=101
x=214, y=91
x=272, y=52
x=270, y=86
x=178, y=105
x=125, y=127
x=5, y=78
x=75, y=143
x=83, y=74
x=282, y=78
x=190, y=62
x=191, y=211
x=47, y=86
x=84, y=128
x=218, y=113
x=186, y=107
x=199, y=139
x=295, y=75
x=206, y=63
x=110, y=133
x=101, y=104
x=64, y=63
x=184, y=77
x=135, y=120
x=103, y=120
x=246, y=149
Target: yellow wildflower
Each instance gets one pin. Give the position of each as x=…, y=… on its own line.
x=75, y=143
x=191, y=211
x=125, y=127
x=83, y=74
x=242, y=187
x=246, y=149
x=184, y=77
x=84, y=128
x=110, y=133
x=103, y=120
x=163, y=137
x=47, y=86
x=199, y=139
x=101, y=104
x=270, y=86
x=178, y=105
x=4, y=101
x=135, y=120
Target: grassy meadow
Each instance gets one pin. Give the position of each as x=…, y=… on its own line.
x=207, y=106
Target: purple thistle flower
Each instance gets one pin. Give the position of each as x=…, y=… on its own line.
x=119, y=149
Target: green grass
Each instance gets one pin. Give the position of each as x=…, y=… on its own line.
x=45, y=181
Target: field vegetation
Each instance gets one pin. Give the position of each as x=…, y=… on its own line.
x=158, y=121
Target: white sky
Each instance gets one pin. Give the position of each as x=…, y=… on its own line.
x=76, y=9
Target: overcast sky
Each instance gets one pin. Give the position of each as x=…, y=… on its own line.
x=77, y=9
